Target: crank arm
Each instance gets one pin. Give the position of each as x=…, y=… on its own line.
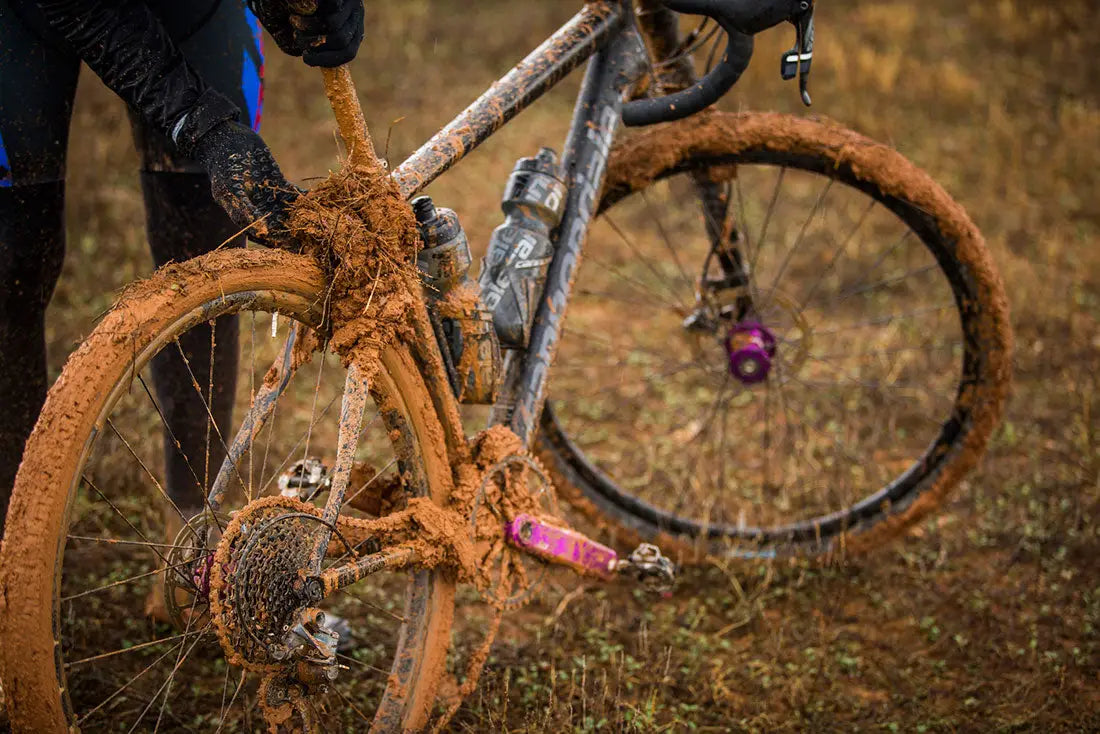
x=566, y=547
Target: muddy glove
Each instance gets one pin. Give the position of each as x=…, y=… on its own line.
x=244, y=176
x=328, y=36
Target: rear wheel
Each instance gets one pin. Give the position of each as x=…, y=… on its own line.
x=93, y=541
x=814, y=362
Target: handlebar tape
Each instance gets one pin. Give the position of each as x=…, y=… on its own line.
x=700, y=95
x=741, y=19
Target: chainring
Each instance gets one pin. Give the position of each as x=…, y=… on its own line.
x=516, y=483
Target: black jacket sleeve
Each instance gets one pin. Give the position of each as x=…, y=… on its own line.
x=126, y=45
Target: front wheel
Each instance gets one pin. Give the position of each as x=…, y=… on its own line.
x=810, y=362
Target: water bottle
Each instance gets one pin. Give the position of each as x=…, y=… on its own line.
x=467, y=325
x=514, y=271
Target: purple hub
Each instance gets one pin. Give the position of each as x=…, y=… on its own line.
x=751, y=348
x=201, y=575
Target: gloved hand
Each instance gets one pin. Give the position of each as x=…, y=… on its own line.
x=328, y=36
x=244, y=176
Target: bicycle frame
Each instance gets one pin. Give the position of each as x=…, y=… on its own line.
x=603, y=33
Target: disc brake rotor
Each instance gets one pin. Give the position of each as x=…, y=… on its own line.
x=186, y=587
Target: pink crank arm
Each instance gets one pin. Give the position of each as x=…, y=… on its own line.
x=562, y=546
x=567, y=547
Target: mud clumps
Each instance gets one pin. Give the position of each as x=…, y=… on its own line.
x=364, y=235
x=461, y=302
x=380, y=495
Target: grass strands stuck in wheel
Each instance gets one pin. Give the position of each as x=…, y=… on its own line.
x=362, y=232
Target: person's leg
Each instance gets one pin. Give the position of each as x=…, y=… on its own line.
x=37, y=85
x=183, y=221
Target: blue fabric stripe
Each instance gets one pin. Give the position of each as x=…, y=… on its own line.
x=5, y=167
x=252, y=71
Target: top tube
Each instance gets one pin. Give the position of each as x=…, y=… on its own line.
x=570, y=46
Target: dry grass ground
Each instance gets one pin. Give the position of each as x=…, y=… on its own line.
x=985, y=618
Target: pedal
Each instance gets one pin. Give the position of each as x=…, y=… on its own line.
x=567, y=547
x=646, y=564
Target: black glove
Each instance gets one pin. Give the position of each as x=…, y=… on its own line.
x=244, y=176
x=330, y=36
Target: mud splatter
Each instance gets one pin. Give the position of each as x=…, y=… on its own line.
x=364, y=235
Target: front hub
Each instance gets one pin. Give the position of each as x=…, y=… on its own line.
x=751, y=349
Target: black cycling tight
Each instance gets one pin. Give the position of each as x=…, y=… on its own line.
x=37, y=84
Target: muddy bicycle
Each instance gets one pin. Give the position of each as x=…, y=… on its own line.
x=786, y=340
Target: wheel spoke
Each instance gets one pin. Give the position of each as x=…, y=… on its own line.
x=639, y=287
x=347, y=590
x=171, y=433
x=798, y=241
x=156, y=482
x=647, y=262
x=350, y=500
x=165, y=687
x=132, y=680
x=884, y=283
x=133, y=648
x=128, y=580
x=835, y=258
x=768, y=218
x=290, y=454
x=209, y=400
x=360, y=663
x=313, y=407
x=211, y=423
x=88, y=480
x=154, y=546
x=351, y=705
x=227, y=708
x=882, y=320
x=651, y=210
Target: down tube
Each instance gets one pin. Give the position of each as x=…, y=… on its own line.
x=595, y=120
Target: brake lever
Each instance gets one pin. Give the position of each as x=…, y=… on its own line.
x=796, y=62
